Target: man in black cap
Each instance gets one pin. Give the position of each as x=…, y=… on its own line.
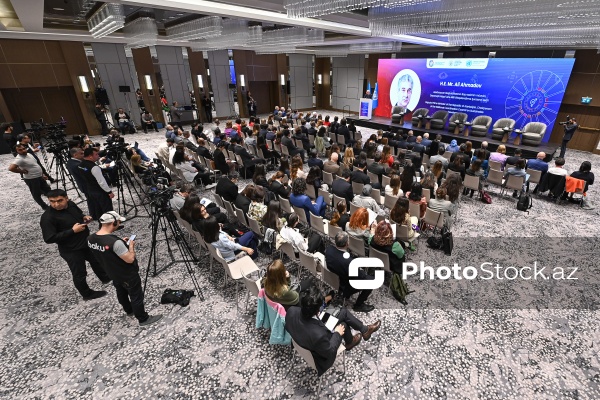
x=64, y=223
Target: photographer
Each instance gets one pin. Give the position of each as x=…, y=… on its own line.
x=570, y=126
x=99, y=195
x=63, y=223
x=99, y=111
x=125, y=123
x=33, y=174
x=117, y=256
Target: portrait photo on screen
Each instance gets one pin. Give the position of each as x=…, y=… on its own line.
x=405, y=89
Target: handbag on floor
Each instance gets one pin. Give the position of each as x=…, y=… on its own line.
x=485, y=197
x=447, y=241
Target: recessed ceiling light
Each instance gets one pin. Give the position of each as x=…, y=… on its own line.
x=58, y=9
x=180, y=14
x=171, y=17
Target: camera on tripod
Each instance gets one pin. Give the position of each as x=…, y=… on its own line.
x=115, y=148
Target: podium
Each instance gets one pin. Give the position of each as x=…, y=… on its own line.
x=366, y=108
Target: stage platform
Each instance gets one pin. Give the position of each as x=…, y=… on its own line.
x=528, y=151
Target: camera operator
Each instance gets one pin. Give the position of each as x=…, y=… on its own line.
x=99, y=111
x=117, y=256
x=179, y=197
x=570, y=126
x=33, y=174
x=99, y=195
x=25, y=140
x=73, y=168
x=125, y=123
x=63, y=223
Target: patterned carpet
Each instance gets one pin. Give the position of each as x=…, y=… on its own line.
x=460, y=340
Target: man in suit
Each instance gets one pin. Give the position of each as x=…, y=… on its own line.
x=344, y=131
x=73, y=168
x=187, y=142
x=313, y=159
x=411, y=137
x=338, y=261
x=426, y=142
x=292, y=149
x=298, y=135
x=512, y=160
x=332, y=165
x=310, y=333
x=439, y=157
x=227, y=186
x=220, y=158
x=570, y=127
x=359, y=176
x=377, y=167
x=248, y=159
x=312, y=130
x=343, y=188
x=403, y=143
x=418, y=146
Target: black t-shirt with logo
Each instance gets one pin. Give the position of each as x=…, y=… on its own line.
x=103, y=248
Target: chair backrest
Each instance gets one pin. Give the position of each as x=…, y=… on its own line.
x=535, y=127
x=450, y=173
x=334, y=230
x=483, y=120
x=371, y=161
x=373, y=177
x=535, y=176
x=376, y=195
x=229, y=208
x=301, y=214
x=252, y=285
x=353, y=207
x=374, y=253
x=308, y=261
x=402, y=232
x=240, y=216
x=310, y=191
x=440, y=114
x=337, y=199
x=425, y=160
x=285, y=205
x=306, y=355
x=515, y=182
x=427, y=194
x=471, y=182
x=435, y=218
x=328, y=178
x=341, y=140
x=284, y=150
x=385, y=180
x=504, y=123
x=260, y=153
x=447, y=155
x=330, y=278
x=326, y=196
x=495, y=165
x=288, y=250
x=398, y=110
x=357, y=188
x=357, y=245
x=317, y=223
x=389, y=201
x=420, y=112
x=254, y=226
x=414, y=209
x=459, y=116
x=495, y=176
x=219, y=201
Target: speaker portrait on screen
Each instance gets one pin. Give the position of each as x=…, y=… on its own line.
x=405, y=90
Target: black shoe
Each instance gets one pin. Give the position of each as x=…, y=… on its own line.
x=130, y=314
x=364, y=307
x=104, y=283
x=145, y=131
x=95, y=294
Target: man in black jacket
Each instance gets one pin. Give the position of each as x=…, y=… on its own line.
x=299, y=135
x=73, y=168
x=345, y=132
x=227, y=187
x=343, y=188
x=292, y=149
x=338, y=260
x=63, y=223
x=248, y=159
x=377, y=167
x=359, y=176
x=99, y=112
x=310, y=333
x=201, y=150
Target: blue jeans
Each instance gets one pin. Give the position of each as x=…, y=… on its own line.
x=141, y=153
x=249, y=240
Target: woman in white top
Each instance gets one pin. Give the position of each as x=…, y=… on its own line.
x=189, y=169
x=393, y=189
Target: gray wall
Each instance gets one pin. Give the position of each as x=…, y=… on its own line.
x=218, y=63
x=301, y=80
x=348, y=76
x=173, y=73
x=114, y=71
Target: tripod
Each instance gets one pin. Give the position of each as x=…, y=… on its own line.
x=125, y=180
x=163, y=217
x=62, y=173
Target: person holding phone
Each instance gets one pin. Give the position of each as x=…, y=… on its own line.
x=117, y=256
x=65, y=224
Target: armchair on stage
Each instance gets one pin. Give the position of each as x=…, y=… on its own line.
x=501, y=127
x=419, y=112
x=397, y=114
x=438, y=119
x=481, y=125
x=533, y=133
x=457, y=120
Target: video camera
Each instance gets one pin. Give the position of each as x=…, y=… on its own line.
x=567, y=122
x=115, y=147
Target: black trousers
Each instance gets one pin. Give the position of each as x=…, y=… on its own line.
x=348, y=320
x=76, y=261
x=563, y=148
x=131, y=297
x=315, y=243
x=38, y=187
x=149, y=124
x=98, y=204
x=208, y=112
x=104, y=126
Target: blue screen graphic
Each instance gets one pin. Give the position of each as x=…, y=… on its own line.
x=232, y=72
x=524, y=89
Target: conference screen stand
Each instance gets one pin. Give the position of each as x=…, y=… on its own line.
x=366, y=108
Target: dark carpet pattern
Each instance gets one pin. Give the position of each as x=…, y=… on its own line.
x=453, y=341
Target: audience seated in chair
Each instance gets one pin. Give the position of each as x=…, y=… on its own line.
x=231, y=248
x=401, y=216
x=358, y=225
x=365, y=200
x=340, y=215
x=299, y=198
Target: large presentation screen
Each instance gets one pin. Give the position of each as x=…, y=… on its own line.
x=524, y=89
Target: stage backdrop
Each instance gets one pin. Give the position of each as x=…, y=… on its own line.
x=524, y=89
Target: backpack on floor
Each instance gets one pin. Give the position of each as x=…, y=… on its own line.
x=181, y=297
x=525, y=203
x=398, y=287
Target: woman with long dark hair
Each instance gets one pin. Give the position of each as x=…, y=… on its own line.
x=273, y=218
x=407, y=177
x=415, y=196
x=400, y=216
x=284, y=165
x=315, y=177
x=277, y=186
x=260, y=176
x=340, y=217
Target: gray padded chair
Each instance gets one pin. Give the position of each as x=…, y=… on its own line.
x=419, y=112
x=481, y=125
x=533, y=133
x=498, y=129
x=397, y=114
x=438, y=119
x=461, y=117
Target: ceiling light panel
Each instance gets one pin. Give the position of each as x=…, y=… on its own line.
x=109, y=18
x=197, y=29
